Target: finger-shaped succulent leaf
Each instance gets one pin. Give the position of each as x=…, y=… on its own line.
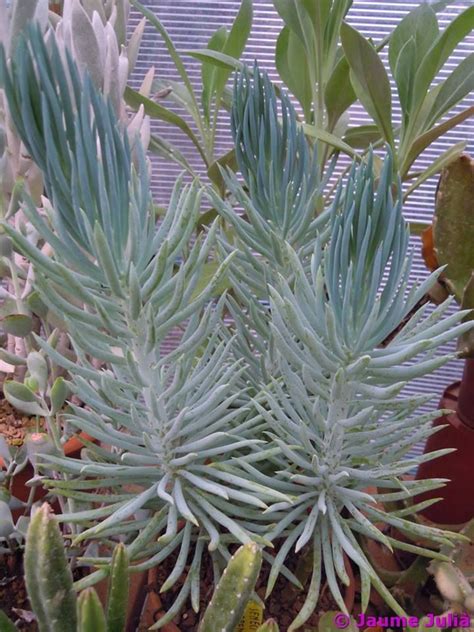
x=453, y=228
x=339, y=373
x=88, y=122
x=91, y=617
x=48, y=575
x=231, y=595
x=278, y=165
x=117, y=600
x=177, y=421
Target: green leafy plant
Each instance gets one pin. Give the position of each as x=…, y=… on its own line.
x=201, y=446
x=204, y=109
x=417, y=51
x=448, y=242
x=50, y=588
x=328, y=65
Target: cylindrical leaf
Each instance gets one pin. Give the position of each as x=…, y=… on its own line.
x=48, y=576
x=90, y=612
x=118, y=590
x=233, y=591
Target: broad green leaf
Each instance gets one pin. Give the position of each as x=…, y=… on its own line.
x=286, y=10
x=292, y=66
x=23, y=399
x=235, y=42
x=369, y=79
x=17, y=325
x=421, y=142
x=439, y=53
x=214, y=173
x=221, y=60
x=339, y=94
x=421, y=26
x=362, y=137
x=335, y=18
x=330, y=139
x=134, y=99
x=404, y=73
x=436, y=166
x=58, y=394
x=208, y=71
x=457, y=86
x=453, y=230
x=161, y=147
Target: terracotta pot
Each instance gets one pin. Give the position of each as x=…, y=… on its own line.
x=19, y=489
x=457, y=504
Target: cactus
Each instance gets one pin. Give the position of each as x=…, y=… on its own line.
x=50, y=588
x=48, y=576
x=269, y=626
x=233, y=591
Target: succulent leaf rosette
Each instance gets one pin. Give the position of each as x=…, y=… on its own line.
x=198, y=447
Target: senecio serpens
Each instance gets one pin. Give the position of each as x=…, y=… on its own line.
x=447, y=620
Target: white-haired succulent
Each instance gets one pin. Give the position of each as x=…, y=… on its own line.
x=95, y=34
